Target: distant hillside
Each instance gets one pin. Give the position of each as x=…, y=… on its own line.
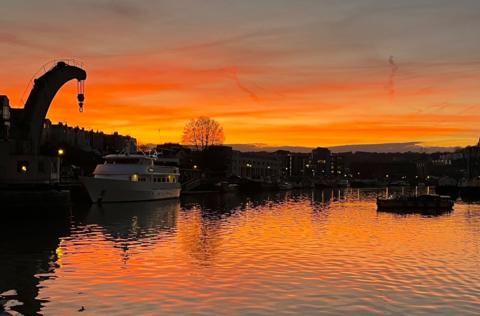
x=391, y=148
x=381, y=148
x=385, y=148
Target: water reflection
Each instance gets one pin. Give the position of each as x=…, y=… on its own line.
x=291, y=252
x=327, y=196
x=219, y=206
x=28, y=255
x=134, y=221
x=133, y=225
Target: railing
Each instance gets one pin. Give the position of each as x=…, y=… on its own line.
x=191, y=184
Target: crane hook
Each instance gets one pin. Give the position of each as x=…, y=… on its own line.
x=80, y=95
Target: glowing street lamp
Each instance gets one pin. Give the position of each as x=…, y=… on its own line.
x=60, y=153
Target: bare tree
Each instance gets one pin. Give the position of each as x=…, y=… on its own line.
x=203, y=132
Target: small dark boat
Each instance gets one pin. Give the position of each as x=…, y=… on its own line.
x=451, y=191
x=428, y=202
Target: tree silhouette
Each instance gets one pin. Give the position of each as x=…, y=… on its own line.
x=203, y=132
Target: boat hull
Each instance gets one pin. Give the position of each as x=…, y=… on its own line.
x=412, y=205
x=449, y=190
x=470, y=193
x=384, y=204
x=107, y=190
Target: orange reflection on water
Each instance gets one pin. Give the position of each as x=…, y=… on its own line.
x=275, y=253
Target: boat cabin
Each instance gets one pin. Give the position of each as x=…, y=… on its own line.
x=137, y=168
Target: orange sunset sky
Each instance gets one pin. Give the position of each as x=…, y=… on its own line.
x=276, y=72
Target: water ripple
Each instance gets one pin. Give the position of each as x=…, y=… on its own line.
x=282, y=253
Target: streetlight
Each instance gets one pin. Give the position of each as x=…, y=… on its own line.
x=60, y=153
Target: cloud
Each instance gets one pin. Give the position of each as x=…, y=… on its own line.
x=391, y=78
x=304, y=73
x=233, y=73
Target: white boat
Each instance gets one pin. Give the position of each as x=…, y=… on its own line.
x=132, y=177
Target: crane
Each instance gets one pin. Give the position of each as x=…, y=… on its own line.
x=44, y=90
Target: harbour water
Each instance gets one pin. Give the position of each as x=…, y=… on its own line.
x=307, y=253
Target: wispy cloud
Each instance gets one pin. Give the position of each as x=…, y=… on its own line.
x=391, y=78
x=298, y=72
x=233, y=73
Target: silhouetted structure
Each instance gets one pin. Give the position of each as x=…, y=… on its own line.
x=320, y=162
x=255, y=165
x=20, y=161
x=472, y=161
x=87, y=140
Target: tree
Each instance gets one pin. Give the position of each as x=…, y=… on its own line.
x=203, y=132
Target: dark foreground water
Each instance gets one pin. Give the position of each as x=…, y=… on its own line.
x=299, y=253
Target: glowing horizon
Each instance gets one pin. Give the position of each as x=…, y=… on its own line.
x=278, y=73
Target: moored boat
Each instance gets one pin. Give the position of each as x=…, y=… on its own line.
x=427, y=202
x=285, y=186
x=470, y=189
x=448, y=186
x=132, y=177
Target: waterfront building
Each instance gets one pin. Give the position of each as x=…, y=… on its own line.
x=320, y=161
x=294, y=164
x=337, y=165
x=87, y=140
x=217, y=160
x=179, y=152
x=5, y=117
x=256, y=165
x=472, y=160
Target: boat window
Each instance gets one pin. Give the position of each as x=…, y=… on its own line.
x=134, y=178
x=123, y=161
x=166, y=163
